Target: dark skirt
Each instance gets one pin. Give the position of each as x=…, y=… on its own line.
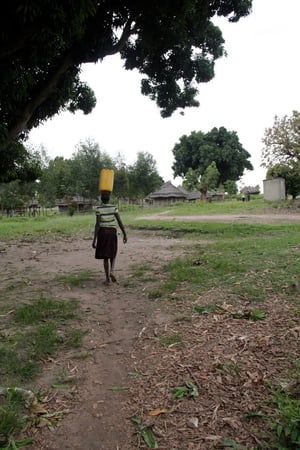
x=107, y=243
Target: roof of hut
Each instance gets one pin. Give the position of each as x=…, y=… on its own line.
x=168, y=190
x=194, y=195
x=250, y=189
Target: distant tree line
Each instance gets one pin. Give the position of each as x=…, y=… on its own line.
x=205, y=161
x=62, y=178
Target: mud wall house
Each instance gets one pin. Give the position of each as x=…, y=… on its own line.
x=215, y=195
x=33, y=208
x=193, y=196
x=167, y=195
x=252, y=190
x=274, y=190
x=80, y=204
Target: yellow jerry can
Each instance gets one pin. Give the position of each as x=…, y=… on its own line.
x=106, y=180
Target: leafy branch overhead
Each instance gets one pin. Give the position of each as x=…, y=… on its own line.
x=174, y=45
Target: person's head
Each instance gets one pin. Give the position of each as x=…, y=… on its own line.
x=105, y=196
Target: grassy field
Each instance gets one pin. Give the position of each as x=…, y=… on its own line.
x=247, y=261
x=83, y=224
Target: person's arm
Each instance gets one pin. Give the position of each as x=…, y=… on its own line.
x=96, y=231
x=117, y=215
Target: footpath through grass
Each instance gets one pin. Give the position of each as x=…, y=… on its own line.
x=250, y=262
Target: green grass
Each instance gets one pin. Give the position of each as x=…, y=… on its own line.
x=77, y=279
x=250, y=262
x=43, y=309
x=172, y=339
x=83, y=224
x=36, y=330
x=12, y=415
x=284, y=418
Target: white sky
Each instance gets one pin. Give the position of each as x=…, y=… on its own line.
x=258, y=79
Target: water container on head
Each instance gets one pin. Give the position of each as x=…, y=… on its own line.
x=106, y=180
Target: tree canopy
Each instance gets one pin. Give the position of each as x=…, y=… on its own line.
x=282, y=141
x=174, y=44
x=220, y=146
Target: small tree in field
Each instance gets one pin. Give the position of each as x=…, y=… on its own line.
x=209, y=180
x=281, y=151
x=231, y=187
x=191, y=179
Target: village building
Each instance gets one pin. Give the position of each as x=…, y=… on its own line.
x=76, y=203
x=169, y=194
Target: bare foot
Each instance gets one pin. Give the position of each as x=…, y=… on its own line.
x=113, y=278
x=106, y=283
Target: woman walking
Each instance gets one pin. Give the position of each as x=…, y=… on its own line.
x=105, y=236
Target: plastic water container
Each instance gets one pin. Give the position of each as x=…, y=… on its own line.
x=106, y=180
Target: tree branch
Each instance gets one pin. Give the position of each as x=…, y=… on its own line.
x=127, y=32
x=48, y=87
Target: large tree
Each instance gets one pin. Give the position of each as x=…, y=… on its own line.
x=220, y=146
x=174, y=44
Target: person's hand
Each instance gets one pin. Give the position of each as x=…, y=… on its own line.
x=94, y=244
x=124, y=238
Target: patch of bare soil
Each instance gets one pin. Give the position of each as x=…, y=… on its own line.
x=275, y=216
x=123, y=369
x=95, y=412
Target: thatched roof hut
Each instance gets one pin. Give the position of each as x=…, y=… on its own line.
x=250, y=190
x=167, y=195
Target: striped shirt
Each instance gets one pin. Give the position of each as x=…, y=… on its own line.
x=106, y=213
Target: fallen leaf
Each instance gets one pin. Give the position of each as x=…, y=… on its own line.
x=193, y=422
x=157, y=412
x=38, y=408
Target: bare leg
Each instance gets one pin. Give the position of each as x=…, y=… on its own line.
x=106, y=269
x=112, y=269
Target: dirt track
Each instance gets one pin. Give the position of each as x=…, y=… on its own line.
x=113, y=318
x=244, y=218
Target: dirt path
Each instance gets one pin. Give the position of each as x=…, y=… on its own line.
x=244, y=218
x=113, y=317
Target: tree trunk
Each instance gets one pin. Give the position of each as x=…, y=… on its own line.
x=203, y=193
x=41, y=95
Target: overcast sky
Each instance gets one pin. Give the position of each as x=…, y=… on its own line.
x=258, y=79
